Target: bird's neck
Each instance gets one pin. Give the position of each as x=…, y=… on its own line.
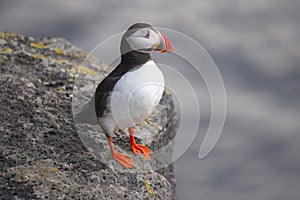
x=135, y=58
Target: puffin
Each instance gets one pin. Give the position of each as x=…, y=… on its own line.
x=130, y=93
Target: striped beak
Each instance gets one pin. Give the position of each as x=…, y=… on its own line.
x=165, y=45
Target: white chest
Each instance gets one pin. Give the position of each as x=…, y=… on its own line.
x=136, y=94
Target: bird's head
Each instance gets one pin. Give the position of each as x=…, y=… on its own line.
x=144, y=38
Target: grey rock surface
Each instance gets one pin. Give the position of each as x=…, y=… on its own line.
x=42, y=155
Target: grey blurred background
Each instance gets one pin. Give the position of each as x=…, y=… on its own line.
x=256, y=46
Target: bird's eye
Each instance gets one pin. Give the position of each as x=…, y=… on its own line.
x=147, y=34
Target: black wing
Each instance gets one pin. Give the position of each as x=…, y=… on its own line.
x=98, y=103
x=105, y=88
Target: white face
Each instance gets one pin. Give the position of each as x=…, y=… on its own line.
x=144, y=40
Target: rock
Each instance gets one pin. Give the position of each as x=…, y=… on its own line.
x=43, y=155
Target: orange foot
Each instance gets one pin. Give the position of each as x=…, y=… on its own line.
x=123, y=159
x=138, y=148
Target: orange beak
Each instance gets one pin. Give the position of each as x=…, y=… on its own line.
x=165, y=45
